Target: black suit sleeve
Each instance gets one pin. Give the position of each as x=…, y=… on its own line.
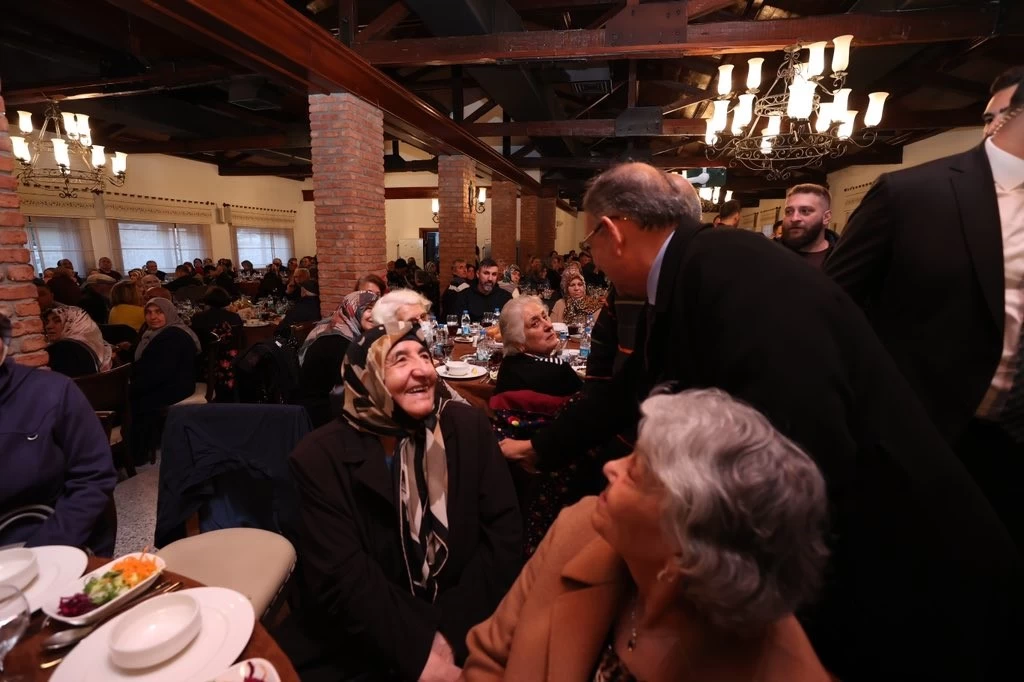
x=860, y=261
x=490, y=573
x=348, y=583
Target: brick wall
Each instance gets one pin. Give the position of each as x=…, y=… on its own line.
x=17, y=293
x=348, y=192
x=457, y=227
x=546, y=210
x=504, y=220
x=528, y=205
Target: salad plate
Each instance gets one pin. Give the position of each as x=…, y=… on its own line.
x=227, y=622
x=58, y=565
x=106, y=588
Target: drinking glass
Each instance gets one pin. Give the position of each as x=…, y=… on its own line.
x=14, y=617
x=563, y=339
x=452, y=322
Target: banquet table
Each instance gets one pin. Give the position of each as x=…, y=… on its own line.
x=249, y=288
x=252, y=335
x=25, y=658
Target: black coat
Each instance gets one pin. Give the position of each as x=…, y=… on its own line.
x=923, y=577
x=923, y=256
x=306, y=309
x=320, y=373
x=361, y=607
x=523, y=373
x=477, y=304
x=212, y=319
x=165, y=373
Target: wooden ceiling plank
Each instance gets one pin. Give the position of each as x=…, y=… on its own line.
x=94, y=88
x=727, y=37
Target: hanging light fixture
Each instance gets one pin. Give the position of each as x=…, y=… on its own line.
x=801, y=129
x=62, y=156
x=435, y=206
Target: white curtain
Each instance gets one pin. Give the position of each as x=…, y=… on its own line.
x=169, y=244
x=262, y=245
x=51, y=239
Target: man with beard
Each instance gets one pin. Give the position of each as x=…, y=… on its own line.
x=808, y=212
x=485, y=296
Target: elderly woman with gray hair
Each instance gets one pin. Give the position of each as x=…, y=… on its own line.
x=530, y=343
x=689, y=565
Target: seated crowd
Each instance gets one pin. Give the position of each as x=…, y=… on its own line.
x=694, y=504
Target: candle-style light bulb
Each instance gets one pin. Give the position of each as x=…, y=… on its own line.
x=99, y=159
x=25, y=122
x=824, y=120
x=710, y=137
x=816, y=61
x=70, y=125
x=876, y=103
x=725, y=79
x=19, y=147
x=119, y=164
x=720, y=115
x=841, y=54
x=60, y=152
x=754, y=72
x=481, y=195
x=845, y=130
x=435, y=205
x=840, y=102
x=774, y=126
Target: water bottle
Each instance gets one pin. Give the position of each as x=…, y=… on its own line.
x=585, y=346
x=497, y=315
x=465, y=322
x=589, y=327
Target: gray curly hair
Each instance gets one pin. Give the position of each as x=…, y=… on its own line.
x=745, y=505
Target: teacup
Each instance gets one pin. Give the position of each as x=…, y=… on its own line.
x=457, y=368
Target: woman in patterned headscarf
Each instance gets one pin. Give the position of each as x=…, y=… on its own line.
x=410, y=529
x=350, y=320
x=76, y=343
x=510, y=280
x=575, y=305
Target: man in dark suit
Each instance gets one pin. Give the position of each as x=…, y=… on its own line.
x=935, y=256
x=923, y=577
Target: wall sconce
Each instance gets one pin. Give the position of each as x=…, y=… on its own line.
x=435, y=206
x=477, y=198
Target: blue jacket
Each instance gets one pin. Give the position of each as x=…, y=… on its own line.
x=53, y=451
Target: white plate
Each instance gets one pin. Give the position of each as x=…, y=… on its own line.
x=463, y=339
x=51, y=605
x=264, y=670
x=475, y=372
x=58, y=565
x=570, y=352
x=261, y=323
x=228, y=620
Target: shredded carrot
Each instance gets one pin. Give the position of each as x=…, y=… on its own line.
x=135, y=569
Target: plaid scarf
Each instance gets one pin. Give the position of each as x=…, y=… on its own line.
x=420, y=451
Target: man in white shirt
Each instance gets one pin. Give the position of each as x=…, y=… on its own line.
x=935, y=256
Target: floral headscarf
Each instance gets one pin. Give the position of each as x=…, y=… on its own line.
x=509, y=271
x=420, y=450
x=345, y=321
x=173, y=320
x=76, y=324
x=577, y=309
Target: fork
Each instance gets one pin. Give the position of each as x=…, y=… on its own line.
x=83, y=632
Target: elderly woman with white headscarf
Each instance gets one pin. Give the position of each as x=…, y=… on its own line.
x=76, y=345
x=689, y=566
x=163, y=372
x=410, y=531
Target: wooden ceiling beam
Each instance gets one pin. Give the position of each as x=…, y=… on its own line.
x=96, y=88
x=385, y=21
x=294, y=48
x=223, y=144
x=600, y=163
x=891, y=28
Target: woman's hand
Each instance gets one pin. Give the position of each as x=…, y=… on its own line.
x=440, y=665
x=520, y=451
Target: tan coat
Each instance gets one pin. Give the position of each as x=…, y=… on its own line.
x=558, y=615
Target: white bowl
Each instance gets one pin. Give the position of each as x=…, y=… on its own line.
x=154, y=631
x=18, y=567
x=457, y=368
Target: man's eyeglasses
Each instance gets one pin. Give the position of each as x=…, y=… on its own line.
x=585, y=244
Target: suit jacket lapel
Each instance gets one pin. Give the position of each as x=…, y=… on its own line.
x=974, y=189
x=582, y=617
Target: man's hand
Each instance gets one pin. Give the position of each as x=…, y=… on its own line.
x=520, y=451
x=440, y=665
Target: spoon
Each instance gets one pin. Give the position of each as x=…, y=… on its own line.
x=71, y=636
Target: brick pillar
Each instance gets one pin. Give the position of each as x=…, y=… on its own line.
x=528, y=206
x=457, y=227
x=17, y=293
x=546, y=210
x=348, y=192
x=504, y=220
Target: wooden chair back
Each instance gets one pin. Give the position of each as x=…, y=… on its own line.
x=107, y=393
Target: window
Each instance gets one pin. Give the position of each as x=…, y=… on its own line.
x=51, y=239
x=169, y=244
x=262, y=245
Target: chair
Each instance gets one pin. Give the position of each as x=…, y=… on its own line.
x=107, y=393
x=301, y=330
x=119, y=333
x=255, y=562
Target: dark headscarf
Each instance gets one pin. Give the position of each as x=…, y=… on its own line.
x=420, y=451
x=173, y=320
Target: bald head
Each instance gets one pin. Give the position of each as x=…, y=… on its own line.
x=688, y=195
x=639, y=192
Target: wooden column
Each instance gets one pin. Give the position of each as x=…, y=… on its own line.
x=457, y=227
x=17, y=293
x=347, y=136
x=504, y=220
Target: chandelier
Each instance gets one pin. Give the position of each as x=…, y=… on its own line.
x=790, y=139
x=46, y=160
x=711, y=198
